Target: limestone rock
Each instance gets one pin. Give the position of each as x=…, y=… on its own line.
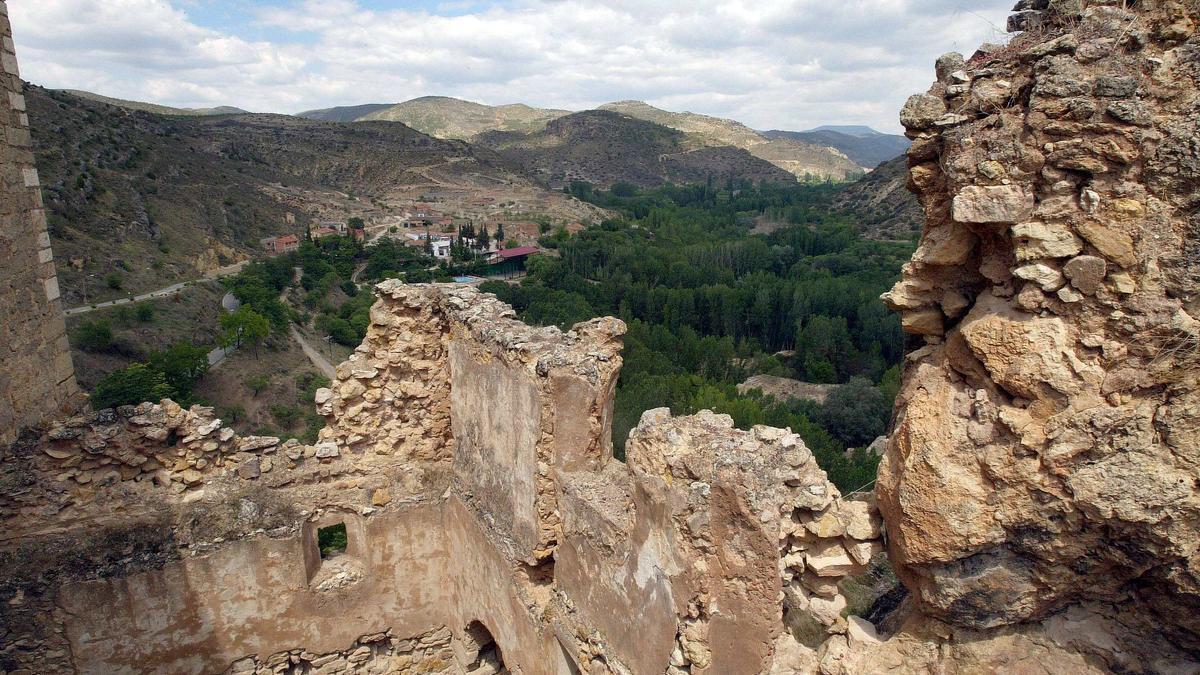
x=997, y=204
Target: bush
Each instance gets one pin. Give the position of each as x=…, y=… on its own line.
x=856, y=412
x=94, y=336
x=139, y=382
x=145, y=312
x=285, y=416
x=114, y=281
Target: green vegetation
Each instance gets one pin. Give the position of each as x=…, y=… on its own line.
x=172, y=373
x=332, y=540
x=94, y=336
x=244, y=326
x=708, y=303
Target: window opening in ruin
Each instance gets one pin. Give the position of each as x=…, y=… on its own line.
x=489, y=660
x=172, y=438
x=332, y=540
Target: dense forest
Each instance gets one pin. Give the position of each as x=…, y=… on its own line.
x=720, y=283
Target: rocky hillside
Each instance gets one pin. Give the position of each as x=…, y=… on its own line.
x=345, y=113
x=796, y=156
x=604, y=147
x=154, y=107
x=865, y=146
x=881, y=204
x=158, y=199
x=445, y=117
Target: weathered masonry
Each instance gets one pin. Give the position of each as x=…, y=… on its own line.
x=462, y=512
x=37, y=381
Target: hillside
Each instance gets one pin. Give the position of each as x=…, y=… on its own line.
x=157, y=199
x=345, y=113
x=881, y=203
x=604, y=147
x=864, y=145
x=154, y=107
x=796, y=156
x=453, y=118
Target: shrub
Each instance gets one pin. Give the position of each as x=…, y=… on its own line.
x=94, y=336
x=145, y=312
x=134, y=384
x=114, y=280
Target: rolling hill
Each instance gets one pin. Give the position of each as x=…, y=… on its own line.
x=604, y=147
x=881, y=203
x=346, y=113
x=864, y=145
x=453, y=118
x=445, y=117
x=796, y=156
x=154, y=107
x=159, y=199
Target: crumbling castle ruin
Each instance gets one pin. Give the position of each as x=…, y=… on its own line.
x=1038, y=497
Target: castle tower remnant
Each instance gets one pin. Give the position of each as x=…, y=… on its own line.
x=37, y=379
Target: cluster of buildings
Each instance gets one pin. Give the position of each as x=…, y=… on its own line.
x=290, y=242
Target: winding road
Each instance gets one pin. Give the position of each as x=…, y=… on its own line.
x=165, y=292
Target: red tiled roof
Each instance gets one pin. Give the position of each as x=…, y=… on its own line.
x=287, y=239
x=516, y=252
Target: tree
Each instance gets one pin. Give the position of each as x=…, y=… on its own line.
x=94, y=336
x=257, y=383
x=856, y=412
x=182, y=364
x=113, y=280
x=145, y=312
x=244, y=325
x=134, y=384
x=484, y=241
x=499, y=232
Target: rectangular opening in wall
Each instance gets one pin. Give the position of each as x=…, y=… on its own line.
x=332, y=540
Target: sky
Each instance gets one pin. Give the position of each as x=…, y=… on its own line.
x=771, y=64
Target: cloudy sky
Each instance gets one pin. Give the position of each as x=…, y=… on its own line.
x=787, y=64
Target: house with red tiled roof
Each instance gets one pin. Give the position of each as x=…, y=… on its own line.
x=283, y=244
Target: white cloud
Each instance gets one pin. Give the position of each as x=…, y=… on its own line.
x=768, y=63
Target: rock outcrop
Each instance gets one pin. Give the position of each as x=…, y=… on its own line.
x=1045, y=449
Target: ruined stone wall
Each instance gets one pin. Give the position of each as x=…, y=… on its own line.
x=37, y=380
x=469, y=458
x=1045, y=449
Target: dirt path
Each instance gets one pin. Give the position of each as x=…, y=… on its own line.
x=315, y=356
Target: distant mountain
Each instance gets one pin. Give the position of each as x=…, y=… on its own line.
x=864, y=145
x=154, y=107
x=849, y=129
x=881, y=203
x=445, y=117
x=604, y=147
x=346, y=113
x=796, y=156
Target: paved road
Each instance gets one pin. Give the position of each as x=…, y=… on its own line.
x=315, y=356
x=160, y=293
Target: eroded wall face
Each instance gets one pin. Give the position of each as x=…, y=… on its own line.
x=37, y=379
x=1045, y=451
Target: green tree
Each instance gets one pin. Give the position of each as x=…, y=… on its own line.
x=182, y=364
x=856, y=412
x=133, y=384
x=114, y=280
x=94, y=336
x=257, y=383
x=244, y=325
x=145, y=312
